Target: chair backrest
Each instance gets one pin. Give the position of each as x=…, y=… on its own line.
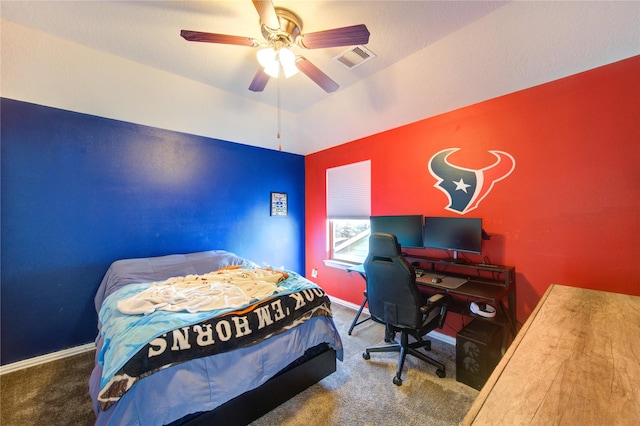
x=392, y=293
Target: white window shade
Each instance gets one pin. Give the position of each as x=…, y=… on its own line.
x=349, y=191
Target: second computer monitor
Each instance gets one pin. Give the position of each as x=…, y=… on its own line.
x=454, y=234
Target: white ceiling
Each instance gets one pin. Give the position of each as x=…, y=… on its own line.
x=432, y=56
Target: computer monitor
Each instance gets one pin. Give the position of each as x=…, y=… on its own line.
x=406, y=228
x=456, y=234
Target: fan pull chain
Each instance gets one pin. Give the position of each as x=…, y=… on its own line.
x=279, y=116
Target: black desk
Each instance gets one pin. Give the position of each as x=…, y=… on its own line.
x=494, y=284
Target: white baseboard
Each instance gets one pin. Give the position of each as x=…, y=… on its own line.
x=442, y=337
x=347, y=304
x=434, y=334
x=31, y=362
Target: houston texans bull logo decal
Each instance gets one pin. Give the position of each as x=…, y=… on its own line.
x=464, y=187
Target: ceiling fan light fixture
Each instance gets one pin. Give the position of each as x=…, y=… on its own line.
x=272, y=70
x=288, y=62
x=271, y=60
x=266, y=57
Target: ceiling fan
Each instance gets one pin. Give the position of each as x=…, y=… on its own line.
x=282, y=29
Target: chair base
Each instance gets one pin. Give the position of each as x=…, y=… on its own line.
x=405, y=348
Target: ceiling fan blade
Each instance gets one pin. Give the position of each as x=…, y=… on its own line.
x=267, y=14
x=259, y=81
x=218, y=38
x=314, y=73
x=345, y=36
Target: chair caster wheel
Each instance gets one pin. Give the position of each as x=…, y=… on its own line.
x=397, y=381
x=366, y=355
x=440, y=373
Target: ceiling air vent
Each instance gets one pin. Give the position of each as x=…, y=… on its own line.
x=354, y=57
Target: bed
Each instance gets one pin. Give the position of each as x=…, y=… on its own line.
x=225, y=356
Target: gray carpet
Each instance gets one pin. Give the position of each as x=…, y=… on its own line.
x=55, y=393
x=359, y=393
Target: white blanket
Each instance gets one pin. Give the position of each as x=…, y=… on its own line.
x=229, y=288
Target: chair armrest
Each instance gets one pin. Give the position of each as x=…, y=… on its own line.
x=438, y=299
x=434, y=301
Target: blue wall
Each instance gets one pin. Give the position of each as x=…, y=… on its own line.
x=80, y=191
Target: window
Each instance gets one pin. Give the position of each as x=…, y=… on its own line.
x=348, y=211
x=349, y=239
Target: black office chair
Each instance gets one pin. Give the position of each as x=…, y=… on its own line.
x=395, y=301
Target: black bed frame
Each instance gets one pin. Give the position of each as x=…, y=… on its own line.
x=253, y=404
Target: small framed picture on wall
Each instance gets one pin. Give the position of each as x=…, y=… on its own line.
x=278, y=204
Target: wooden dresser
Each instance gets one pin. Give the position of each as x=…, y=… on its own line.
x=576, y=361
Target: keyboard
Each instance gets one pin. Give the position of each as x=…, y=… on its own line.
x=426, y=278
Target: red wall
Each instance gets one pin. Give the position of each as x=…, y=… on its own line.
x=569, y=213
